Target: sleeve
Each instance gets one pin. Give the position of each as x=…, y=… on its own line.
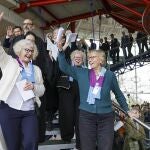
x=4, y=58
x=133, y=132
x=65, y=67
x=118, y=93
x=6, y=43
x=39, y=88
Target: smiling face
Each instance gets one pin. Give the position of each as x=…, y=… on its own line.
x=17, y=31
x=26, y=54
x=96, y=59
x=135, y=113
x=25, y=50
x=78, y=59
x=28, y=25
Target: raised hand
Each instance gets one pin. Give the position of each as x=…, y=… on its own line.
x=9, y=31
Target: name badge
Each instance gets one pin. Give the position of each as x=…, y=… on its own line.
x=96, y=89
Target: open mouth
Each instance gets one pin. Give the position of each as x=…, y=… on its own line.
x=28, y=57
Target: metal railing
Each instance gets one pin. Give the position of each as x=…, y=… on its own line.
x=135, y=119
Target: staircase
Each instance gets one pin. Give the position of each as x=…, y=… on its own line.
x=54, y=141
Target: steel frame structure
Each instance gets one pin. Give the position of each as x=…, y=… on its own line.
x=131, y=63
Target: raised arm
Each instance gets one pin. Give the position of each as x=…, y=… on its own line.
x=63, y=65
x=4, y=58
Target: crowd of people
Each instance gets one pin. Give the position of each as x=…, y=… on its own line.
x=62, y=82
x=113, y=46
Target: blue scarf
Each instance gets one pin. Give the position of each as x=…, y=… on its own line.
x=29, y=76
x=95, y=82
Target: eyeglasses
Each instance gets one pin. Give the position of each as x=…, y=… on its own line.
x=91, y=57
x=27, y=23
x=27, y=50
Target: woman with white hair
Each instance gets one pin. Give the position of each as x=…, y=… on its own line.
x=18, y=118
x=96, y=118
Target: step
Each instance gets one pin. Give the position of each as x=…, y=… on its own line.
x=56, y=145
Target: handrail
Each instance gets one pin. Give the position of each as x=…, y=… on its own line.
x=135, y=119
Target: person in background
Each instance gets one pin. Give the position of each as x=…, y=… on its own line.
x=134, y=133
x=131, y=40
x=114, y=49
x=93, y=45
x=139, y=41
x=125, y=41
x=144, y=42
x=51, y=89
x=67, y=98
x=77, y=58
x=96, y=118
x=105, y=47
x=12, y=33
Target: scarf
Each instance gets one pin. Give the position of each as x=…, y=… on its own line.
x=95, y=84
x=28, y=73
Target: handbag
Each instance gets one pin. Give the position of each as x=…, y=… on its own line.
x=63, y=82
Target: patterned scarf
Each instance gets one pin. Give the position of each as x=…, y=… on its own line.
x=95, y=82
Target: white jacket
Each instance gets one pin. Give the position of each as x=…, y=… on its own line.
x=11, y=70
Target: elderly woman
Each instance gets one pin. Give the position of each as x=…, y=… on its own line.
x=17, y=115
x=96, y=119
x=69, y=111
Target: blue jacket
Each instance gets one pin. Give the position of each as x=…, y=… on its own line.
x=103, y=105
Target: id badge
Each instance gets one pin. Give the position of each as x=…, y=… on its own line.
x=96, y=90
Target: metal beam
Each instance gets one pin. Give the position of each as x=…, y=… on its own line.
x=127, y=20
x=128, y=25
x=136, y=1
x=48, y=2
x=132, y=5
x=132, y=17
x=74, y=18
x=126, y=8
x=24, y=6
x=50, y=13
x=146, y=1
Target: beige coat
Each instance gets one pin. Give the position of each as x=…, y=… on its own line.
x=11, y=70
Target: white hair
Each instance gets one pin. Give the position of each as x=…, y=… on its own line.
x=101, y=54
x=21, y=45
x=77, y=52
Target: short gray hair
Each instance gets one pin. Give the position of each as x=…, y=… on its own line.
x=20, y=45
x=101, y=54
x=77, y=52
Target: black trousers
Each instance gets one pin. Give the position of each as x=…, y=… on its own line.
x=96, y=130
x=69, y=113
x=41, y=119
